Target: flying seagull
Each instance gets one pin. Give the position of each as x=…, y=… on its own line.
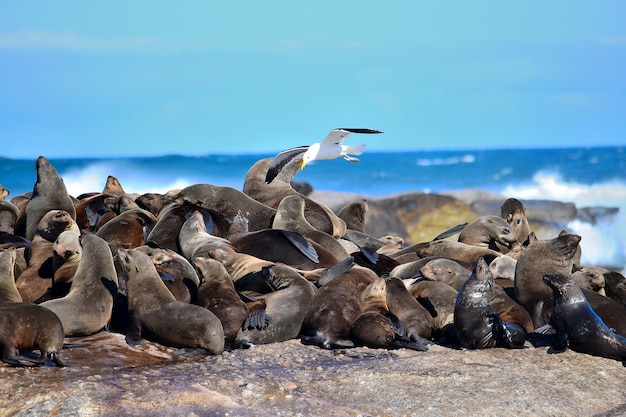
x=330, y=148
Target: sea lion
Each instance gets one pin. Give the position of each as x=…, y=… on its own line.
x=446, y=270
x=153, y=202
x=8, y=290
x=488, y=232
x=36, y=279
x=438, y=298
x=513, y=211
x=227, y=204
x=178, y=275
x=376, y=327
x=195, y=241
x=539, y=258
x=316, y=213
x=577, y=324
x=417, y=321
x=290, y=215
x=67, y=253
x=90, y=211
x=8, y=216
x=591, y=278
x=25, y=327
x=113, y=187
x=128, y=229
x=49, y=193
x=334, y=308
x=88, y=306
x=354, y=215
x=615, y=287
x=170, y=220
x=458, y=251
x=503, y=268
x=155, y=313
x=287, y=305
x=477, y=325
x=217, y=293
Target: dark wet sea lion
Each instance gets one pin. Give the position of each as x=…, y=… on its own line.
x=155, y=313
x=88, y=306
x=25, y=327
x=287, y=305
x=49, y=193
x=577, y=324
x=8, y=290
x=477, y=325
x=539, y=258
x=217, y=293
x=488, y=232
x=334, y=308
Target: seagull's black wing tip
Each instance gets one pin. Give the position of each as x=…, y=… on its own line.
x=281, y=160
x=359, y=130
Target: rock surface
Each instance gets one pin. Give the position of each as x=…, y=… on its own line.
x=106, y=377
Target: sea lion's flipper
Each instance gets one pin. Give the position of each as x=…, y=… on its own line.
x=450, y=232
x=133, y=334
x=256, y=319
x=370, y=254
x=46, y=270
x=254, y=281
x=334, y=271
x=302, y=244
x=398, y=327
x=422, y=346
x=166, y=277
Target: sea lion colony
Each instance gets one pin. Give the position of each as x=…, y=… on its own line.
x=197, y=268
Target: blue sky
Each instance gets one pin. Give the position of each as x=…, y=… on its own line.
x=79, y=79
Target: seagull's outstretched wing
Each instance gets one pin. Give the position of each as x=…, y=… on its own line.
x=337, y=136
x=282, y=159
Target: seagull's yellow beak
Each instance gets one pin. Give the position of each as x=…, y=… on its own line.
x=302, y=165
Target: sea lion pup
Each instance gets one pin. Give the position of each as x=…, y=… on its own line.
x=157, y=315
x=25, y=327
x=176, y=271
x=49, y=193
x=477, y=325
x=591, y=278
x=127, y=230
x=334, y=308
x=36, y=279
x=227, y=205
x=283, y=246
x=290, y=216
x=417, y=321
x=488, y=232
x=539, y=258
x=438, y=298
x=316, y=213
x=354, y=215
x=287, y=305
x=88, y=306
x=615, y=287
x=217, y=293
x=458, y=251
x=577, y=324
x=8, y=290
x=376, y=327
x=513, y=211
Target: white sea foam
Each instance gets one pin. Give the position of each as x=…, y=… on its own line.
x=602, y=243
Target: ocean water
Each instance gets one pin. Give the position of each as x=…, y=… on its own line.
x=594, y=176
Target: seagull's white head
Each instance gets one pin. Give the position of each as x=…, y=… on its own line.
x=310, y=155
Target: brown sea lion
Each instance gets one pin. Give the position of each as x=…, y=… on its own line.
x=438, y=298
x=49, y=193
x=286, y=304
x=317, y=214
x=217, y=293
x=8, y=290
x=615, y=287
x=354, y=215
x=66, y=255
x=513, y=211
x=538, y=259
x=503, y=268
x=577, y=324
x=8, y=216
x=334, y=308
x=488, y=232
x=128, y=229
x=25, y=327
x=36, y=279
x=458, y=251
x=591, y=278
x=417, y=321
x=477, y=325
x=290, y=215
x=446, y=270
x=88, y=306
x=113, y=187
x=177, y=273
x=155, y=313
